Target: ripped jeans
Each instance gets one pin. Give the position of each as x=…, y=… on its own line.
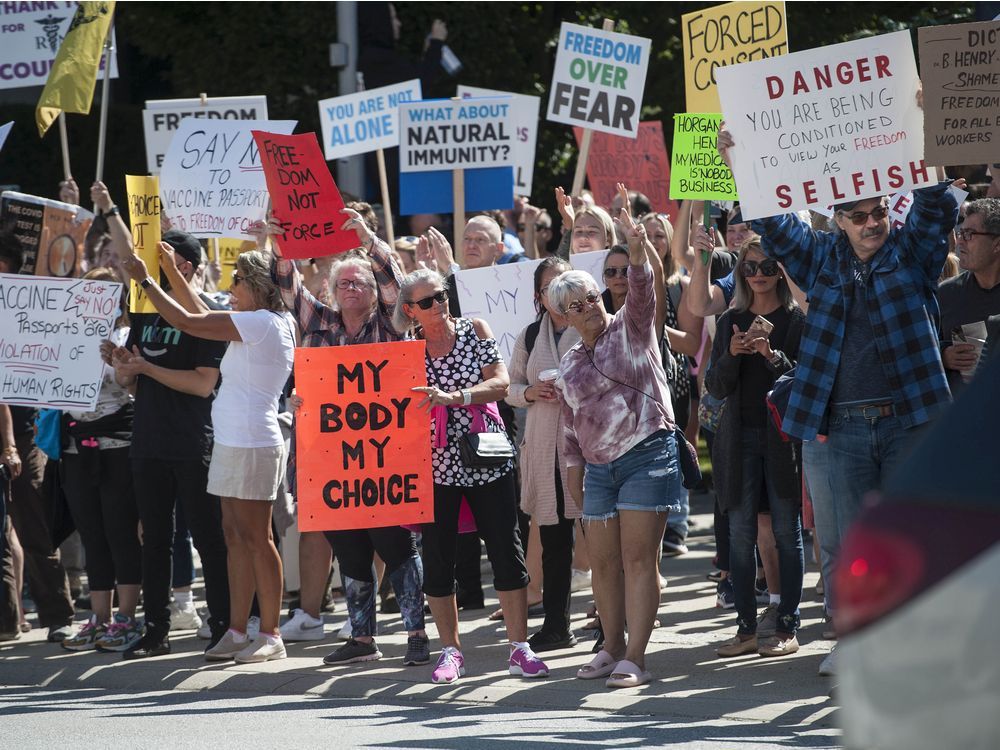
x=646, y=477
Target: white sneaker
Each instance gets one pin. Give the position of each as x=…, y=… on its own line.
x=253, y=627
x=184, y=617
x=345, y=631
x=260, y=650
x=581, y=580
x=828, y=667
x=302, y=627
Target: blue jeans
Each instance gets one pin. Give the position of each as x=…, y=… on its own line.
x=827, y=509
x=785, y=522
x=677, y=519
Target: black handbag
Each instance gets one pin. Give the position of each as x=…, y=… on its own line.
x=485, y=450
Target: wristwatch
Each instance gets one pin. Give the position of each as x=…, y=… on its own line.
x=112, y=211
x=146, y=282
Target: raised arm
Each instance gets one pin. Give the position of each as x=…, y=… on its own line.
x=121, y=236
x=680, y=243
x=686, y=338
x=924, y=239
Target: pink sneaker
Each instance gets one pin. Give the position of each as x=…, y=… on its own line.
x=524, y=663
x=450, y=666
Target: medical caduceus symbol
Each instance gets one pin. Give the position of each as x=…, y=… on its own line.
x=50, y=25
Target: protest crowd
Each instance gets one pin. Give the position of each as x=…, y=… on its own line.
x=806, y=336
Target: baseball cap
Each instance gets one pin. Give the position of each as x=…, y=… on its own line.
x=185, y=245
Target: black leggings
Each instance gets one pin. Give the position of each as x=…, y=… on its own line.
x=494, y=506
x=98, y=488
x=557, y=565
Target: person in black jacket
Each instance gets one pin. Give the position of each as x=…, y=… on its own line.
x=757, y=341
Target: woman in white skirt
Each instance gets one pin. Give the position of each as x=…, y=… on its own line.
x=248, y=457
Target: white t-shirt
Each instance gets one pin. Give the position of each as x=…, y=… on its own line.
x=254, y=370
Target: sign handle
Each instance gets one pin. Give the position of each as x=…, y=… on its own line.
x=458, y=192
x=706, y=255
x=105, y=95
x=386, y=205
x=581, y=161
x=64, y=142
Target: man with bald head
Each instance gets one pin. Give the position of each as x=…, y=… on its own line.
x=482, y=242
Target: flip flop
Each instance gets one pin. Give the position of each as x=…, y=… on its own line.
x=626, y=674
x=496, y=616
x=600, y=666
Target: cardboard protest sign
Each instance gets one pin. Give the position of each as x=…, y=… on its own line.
x=364, y=448
x=51, y=232
x=365, y=121
x=824, y=126
x=304, y=197
x=162, y=117
x=504, y=296
x=960, y=70
x=641, y=163
x=144, y=219
x=433, y=192
x=524, y=114
x=727, y=35
x=4, y=132
x=50, y=342
x=447, y=134
x=900, y=204
x=598, y=80
x=698, y=171
x=212, y=182
x=592, y=263
x=229, y=251
x=30, y=35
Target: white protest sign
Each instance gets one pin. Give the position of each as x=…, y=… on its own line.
x=503, y=296
x=592, y=263
x=524, y=110
x=4, y=132
x=50, y=352
x=598, y=80
x=365, y=121
x=30, y=35
x=900, y=204
x=162, y=117
x=212, y=183
x=821, y=127
x=445, y=134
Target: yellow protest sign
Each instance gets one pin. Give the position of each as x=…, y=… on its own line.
x=726, y=35
x=229, y=251
x=144, y=218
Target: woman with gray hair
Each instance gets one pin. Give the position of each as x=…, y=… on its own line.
x=619, y=446
x=466, y=377
x=248, y=456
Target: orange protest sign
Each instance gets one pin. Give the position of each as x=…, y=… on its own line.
x=363, y=448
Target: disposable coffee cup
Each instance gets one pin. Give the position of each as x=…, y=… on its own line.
x=549, y=376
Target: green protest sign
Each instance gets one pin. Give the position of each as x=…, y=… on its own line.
x=697, y=172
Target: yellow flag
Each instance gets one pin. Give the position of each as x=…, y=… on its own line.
x=70, y=86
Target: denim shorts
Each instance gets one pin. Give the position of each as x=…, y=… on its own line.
x=647, y=477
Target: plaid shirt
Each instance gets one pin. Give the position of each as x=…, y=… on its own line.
x=903, y=308
x=321, y=325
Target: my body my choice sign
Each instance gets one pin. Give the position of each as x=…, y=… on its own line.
x=598, y=80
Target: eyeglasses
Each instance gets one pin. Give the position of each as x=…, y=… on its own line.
x=967, y=234
x=611, y=271
x=767, y=267
x=860, y=218
x=577, y=305
x=351, y=284
x=427, y=302
x=237, y=279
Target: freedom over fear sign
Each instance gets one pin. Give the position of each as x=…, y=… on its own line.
x=598, y=80
x=824, y=126
x=446, y=134
x=365, y=121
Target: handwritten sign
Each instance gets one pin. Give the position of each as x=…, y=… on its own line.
x=365, y=121
x=698, y=172
x=30, y=35
x=50, y=341
x=592, y=263
x=960, y=68
x=212, y=182
x=900, y=204
x=641, y=163
x=447, y=134
x=824, y=126
x=229, y=251
x=162, y=117
x=727, y=35
x=598, y=80
x=304, y=197
x=364, y=448
x=144, y=218
x=50, y=232
x=524, y=113
x=504, y=296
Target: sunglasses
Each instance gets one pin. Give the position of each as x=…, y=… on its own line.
x=767, y=267
x=967, y=234
x=611, y=271
x=860, y=218
x=427, y=302
x=577, y=305
x=237, y=279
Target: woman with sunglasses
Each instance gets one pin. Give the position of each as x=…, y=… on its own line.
x=621, y=453
x=465, y=378
x=757, y=341
x=365, y=288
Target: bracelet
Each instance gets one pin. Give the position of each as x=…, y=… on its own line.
x=466, y=397
x=146, y=282
x=113, y=211
x=10, y=450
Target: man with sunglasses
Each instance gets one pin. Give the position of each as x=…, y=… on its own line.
x=974, y=295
